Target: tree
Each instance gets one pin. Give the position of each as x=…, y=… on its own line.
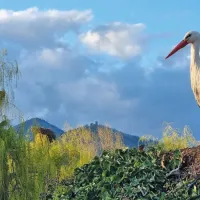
x=9, y=74
x=67, y=127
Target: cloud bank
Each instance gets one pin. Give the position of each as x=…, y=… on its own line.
x=36, y=28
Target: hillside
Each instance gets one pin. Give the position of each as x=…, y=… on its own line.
x=40, y=123
x=129, y=140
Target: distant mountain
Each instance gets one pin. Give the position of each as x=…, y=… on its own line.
x=129, y=140
x=26, y=126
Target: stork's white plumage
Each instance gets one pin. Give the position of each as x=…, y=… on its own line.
x=193, y=38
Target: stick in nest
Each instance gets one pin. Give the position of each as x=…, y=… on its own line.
x=175, y=172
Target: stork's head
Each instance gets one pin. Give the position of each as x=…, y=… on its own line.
x=190, y=37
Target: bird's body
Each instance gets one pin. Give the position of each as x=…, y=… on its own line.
x=192, y=38
x=195, y=71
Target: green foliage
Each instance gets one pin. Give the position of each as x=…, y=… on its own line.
x=29, y=170
x=109, y=140
x=13, y=164
x=127, y=174
x=96, y=138
x=173, y=139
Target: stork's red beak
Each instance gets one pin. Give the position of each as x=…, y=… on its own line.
x=179, y=46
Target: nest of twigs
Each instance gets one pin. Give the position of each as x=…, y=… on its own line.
x=190, y=162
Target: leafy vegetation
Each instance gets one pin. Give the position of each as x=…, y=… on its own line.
x=172, y=139
x=126, y=174
x=28, y=168
x=69, y=168
x=133, y=174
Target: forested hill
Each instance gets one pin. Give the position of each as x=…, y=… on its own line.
x=129, y=140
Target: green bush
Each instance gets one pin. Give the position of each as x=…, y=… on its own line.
x=126, y=174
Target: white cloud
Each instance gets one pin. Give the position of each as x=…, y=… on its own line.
x=117, y=39
x=35, y=27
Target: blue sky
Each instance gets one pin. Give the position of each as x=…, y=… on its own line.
x=83, y=81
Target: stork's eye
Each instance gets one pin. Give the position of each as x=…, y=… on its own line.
x=189, y=35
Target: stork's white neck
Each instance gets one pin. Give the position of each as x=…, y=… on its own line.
x=195, y=59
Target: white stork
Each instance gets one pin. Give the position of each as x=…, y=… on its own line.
x=193, y=38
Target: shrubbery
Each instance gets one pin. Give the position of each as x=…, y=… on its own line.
x=132, y=174
x=126, y=174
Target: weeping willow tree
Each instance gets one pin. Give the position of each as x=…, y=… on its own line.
x=9, y=75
